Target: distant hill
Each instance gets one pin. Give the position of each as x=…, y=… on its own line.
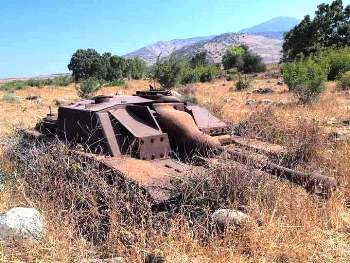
x=269, y=49
x=264, y=39
x=274, y=27
x=151, y=52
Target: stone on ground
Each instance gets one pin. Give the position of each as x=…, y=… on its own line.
x=21, y=223
x=226, y=217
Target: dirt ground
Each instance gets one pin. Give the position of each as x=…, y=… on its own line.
x=299, y=230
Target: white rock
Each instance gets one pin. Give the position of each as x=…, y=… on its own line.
x=21, y=223
x=233, y=217
x=106, y=260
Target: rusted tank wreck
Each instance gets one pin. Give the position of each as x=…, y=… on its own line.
x=152, y=136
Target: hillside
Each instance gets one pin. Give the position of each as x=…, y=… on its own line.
x=265, y=39
x=164, y=48
x=269, y=49
x=273, y=28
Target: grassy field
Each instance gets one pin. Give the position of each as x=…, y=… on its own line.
x=296, y=226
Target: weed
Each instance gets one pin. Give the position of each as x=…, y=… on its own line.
x=10, y=98
x=244, y=82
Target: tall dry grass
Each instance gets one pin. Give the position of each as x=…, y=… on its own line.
x=91, y=213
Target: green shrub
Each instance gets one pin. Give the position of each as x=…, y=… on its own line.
x=135, y=68
x=207, y=73
x=35, y=83
x=62, y=81
x=233, y=56
x=88, y=87
x=190, y=76
x=252, y=63
x=335, y=61
x=203, y=74
x=241, y=58
x=305, y=78
x=14, y=85
x=244, y=82
x=344, y=81
x=231, y=76
x=10, y=97
x=170, y=71
x=199, y=60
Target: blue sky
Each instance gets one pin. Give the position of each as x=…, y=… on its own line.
x=39, y=36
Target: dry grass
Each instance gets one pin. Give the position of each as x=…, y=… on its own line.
x=293, y=225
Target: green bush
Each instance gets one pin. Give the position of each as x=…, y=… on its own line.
x=344, y=81
x=199, y=60
x=62, y=81
x=88, y=87
x=170, y=71
x=22, y=84
x=233, y=56
x=135, y=68
x=14, y=85
x=335, y=60
x=241, y=58
x=190, y=76
x=252, y=63
x=244, y=82
x=203, y=74
x=305, y=78
x=207, y=73
x=10, y=97
x=231, y=76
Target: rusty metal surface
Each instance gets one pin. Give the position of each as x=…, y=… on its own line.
x=107, y=129
x=137, y=135
x=313, y=182
x=108, y=102
x=141, y=124
x=207, y=122
x=260, y=146
x=137, y=126
x=153, y=176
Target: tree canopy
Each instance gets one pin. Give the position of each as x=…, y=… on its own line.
x=199, y=59
x=88, y=63
x=329, y=27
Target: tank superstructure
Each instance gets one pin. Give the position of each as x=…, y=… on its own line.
x=140, y=135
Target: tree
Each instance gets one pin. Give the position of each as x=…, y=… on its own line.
x=87, y=63
x=135, y=68
x=199, y=59
x=305, y=78
x=117, y=68
x=329, y=27
x=252, y=63
x=233, y=56
x=241, y=58
x=169, y=71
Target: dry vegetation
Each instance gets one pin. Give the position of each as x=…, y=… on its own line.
x=293, y=225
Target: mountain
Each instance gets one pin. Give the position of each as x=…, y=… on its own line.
x=264, y=39
x=273, y=28
x=164, y=48
x=269, y=49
